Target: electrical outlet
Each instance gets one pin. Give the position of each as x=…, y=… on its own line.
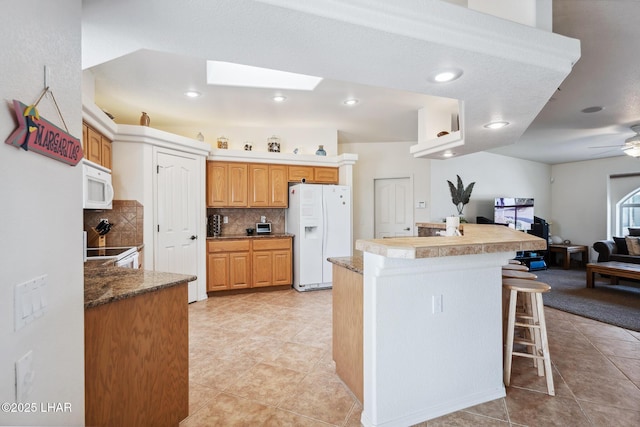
x=24, y=377
x=437, y=305
x=225, y=220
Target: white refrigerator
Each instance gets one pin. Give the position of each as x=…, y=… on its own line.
x=319, y=217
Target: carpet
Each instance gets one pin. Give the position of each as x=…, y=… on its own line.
x=616, y=305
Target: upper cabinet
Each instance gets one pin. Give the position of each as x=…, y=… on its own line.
x=253, y=185
x=96, y=147
x=227, y=184
x=268, y=186
x=325, y=175
x=312, y=174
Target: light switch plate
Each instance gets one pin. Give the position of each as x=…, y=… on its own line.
x=30, y=301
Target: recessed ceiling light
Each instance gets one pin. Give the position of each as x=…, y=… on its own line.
x=593, y=109
x=229, y=74
x=448, y=153
x=444, y=76
x=192, y=94
x=496, y=125
x=351, y=101
x=279, y=98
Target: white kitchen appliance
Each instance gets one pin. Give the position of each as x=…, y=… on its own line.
x=121, y=256
x=97, y=190
x=319, y=216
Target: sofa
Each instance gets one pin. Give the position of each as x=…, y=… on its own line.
x=618, y=248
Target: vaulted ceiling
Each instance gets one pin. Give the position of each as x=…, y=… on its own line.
x=145, y=58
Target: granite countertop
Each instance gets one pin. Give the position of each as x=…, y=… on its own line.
x=353, y=263
x=477, y=239
x=103, y=284
x=253, y=236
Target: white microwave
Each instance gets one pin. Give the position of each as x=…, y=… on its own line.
x=97, y=190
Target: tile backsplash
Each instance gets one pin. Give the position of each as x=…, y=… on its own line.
x=127, y=219
x=241, y=219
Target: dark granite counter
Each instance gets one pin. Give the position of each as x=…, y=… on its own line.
x=103, y=284
x=353, y=263
x=253, y=236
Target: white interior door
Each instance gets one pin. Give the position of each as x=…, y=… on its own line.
x=393, y=207
x=177, y=187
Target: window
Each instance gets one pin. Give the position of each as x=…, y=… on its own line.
x=628, y=213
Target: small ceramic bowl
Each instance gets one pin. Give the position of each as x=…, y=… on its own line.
x=250, y=231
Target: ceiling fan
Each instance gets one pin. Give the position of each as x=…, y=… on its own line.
x=631, y=146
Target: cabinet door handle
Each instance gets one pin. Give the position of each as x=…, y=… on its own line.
x=193, y=237
x=407, y=229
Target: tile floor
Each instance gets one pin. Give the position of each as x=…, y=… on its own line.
x=264, y=359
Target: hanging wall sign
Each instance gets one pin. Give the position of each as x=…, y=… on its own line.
x=37, y=134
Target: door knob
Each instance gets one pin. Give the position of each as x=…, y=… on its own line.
x=193, y=237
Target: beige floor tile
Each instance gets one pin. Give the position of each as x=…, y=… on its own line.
x=200, y=395
x=218, y=373
x=496, y=409
x=621, y=393
x=613, y=347
x=323, y=398
x=593, y=364
x=464, y=419
x=630, y=367
x=265, y=359
x=539, y=409
x=267, y=384
x=608, y=416
x=232, y=411
x=296, y=356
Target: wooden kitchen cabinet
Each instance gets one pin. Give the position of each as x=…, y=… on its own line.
x=297, y=173
x=325, y=175
x=227, y=184
x=246, y=263
x=228, y=264
x=271, y=262
x=259, y=193
x=96, y=147
x=268, y=186
x=313, y=174
x=217, y=184
x=238, y=185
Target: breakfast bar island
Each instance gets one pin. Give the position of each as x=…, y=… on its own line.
x=432, y=322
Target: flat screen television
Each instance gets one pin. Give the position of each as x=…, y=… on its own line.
x=514, y=212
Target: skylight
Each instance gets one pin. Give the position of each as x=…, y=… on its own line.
x=229, y=74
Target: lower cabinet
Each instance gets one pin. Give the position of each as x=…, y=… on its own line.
x=271, y=262
x=247, y=263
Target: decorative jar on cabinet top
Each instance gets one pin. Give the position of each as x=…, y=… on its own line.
x=145, y=120
x=223, y=143
x=274, y=144
x=320, y=151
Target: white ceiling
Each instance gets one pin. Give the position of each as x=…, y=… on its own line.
x=144, y=58
x=607, y=75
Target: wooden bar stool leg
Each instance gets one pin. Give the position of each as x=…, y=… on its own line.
x=508, y=349
x=545, y=346
x=536, y=335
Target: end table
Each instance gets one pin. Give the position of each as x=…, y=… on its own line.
x=567, y=250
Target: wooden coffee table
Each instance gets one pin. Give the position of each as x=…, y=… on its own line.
x=567, y=250
x=614, y=269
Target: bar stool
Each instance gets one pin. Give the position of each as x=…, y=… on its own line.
x=532, y=319
x=519, y=267
x=517, y=274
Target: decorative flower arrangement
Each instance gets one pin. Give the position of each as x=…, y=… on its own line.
x=459, y=194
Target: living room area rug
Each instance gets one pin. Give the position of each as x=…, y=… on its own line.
x=616, y=305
